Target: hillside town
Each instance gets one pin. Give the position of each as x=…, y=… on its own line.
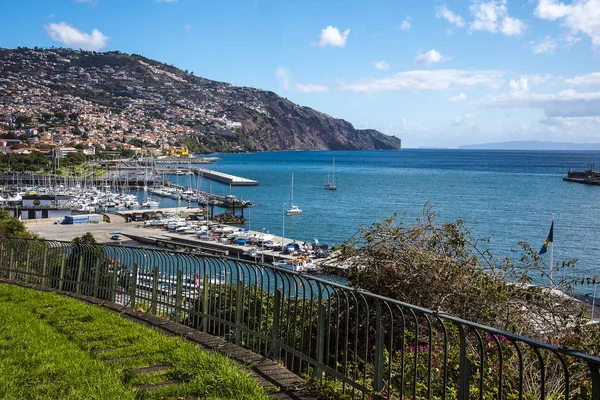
x=61, y=100
x=47, y=107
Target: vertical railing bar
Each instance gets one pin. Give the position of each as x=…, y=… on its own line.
x=416, y=354
x=379, y=347
x=567, y=375
x=520, y=358
x=276, y=321
x=97, y=277
x=464, y=365
x=79, y=270
x=61, y=277
x=45, y=267
x=445, y=375
x=542, y=373
x=178, y=289
x=27, y=267
x=320, y=345
x=154, y=290
x=239, y=306
x=11, y=265
x=133, y=285
x=429, y=356
x=114, y=280
x=481, y=364
x=595, y=375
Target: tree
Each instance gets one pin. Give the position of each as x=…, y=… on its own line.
x=86, y=238
x=13, y=227
x=444, y=268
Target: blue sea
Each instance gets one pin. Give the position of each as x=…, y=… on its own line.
x=507, y=196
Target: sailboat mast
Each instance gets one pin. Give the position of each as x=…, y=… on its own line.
x=292, y=192
x=333, y=172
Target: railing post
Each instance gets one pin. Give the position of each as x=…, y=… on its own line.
x=318, y=371
x=79, y=270
x=205, y=289
x=239, y=310
x=45, y=268
x=133, y=285
x=27, y=269
x=595, y=380
x=464, y=366
x=61, y=276
x=379, y=347
x=11, y=264
x=97, y=277
x=276, y=317
x=154, y=302
x=114, y=281
x=178, y=295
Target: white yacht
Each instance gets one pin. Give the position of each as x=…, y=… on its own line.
x=300, y=264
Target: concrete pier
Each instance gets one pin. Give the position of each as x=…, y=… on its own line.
x=224, y=178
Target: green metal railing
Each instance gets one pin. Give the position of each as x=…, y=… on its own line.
x=362, y=344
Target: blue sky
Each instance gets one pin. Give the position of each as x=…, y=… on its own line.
x=434, y=73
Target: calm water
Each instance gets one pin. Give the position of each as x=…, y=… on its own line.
x=505, y=195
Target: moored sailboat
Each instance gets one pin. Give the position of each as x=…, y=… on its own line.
x=330, y=185
x=294, y=210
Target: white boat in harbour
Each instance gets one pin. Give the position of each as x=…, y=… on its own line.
x=295, y=210
x=150, y=203
x=330, y=185
x=300, y=264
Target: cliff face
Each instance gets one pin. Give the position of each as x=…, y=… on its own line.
x=287, y=126
x=153, y=99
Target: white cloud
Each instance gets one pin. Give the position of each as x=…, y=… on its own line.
x=492, y=16
x=546, y=45
x=581, y=129
x=331, y=36
x=582, y=16
x=512, y=26
x=520, y=85
x=90, y=2
x=188, y=28
x=568, y=103
x=459, y=97
x=460, y=119
x=283, y=75
x=381, y=65
x=454, y=19
x=311, y=88
x=587, y=81
x=525, y=82
x=421, y=80
x=431, y=57
x=570, y=40
x=405, y=24
x=72, y=37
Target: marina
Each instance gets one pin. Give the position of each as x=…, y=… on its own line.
x=129, y=176
x=188, y=232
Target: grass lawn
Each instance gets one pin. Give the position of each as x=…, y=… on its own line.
x=53, y=347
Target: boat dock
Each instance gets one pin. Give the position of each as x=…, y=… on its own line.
x=589, y=177
x=224, y=178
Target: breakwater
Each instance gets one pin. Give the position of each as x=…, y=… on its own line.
x=588, y=177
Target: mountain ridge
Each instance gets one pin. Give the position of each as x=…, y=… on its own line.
x=152, y=97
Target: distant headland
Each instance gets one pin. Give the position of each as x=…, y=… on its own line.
x=532, y=145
